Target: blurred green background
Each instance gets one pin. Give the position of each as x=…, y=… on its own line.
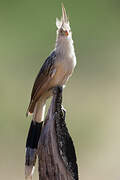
x=92, y=96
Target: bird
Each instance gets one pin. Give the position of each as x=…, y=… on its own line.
x=56, y=69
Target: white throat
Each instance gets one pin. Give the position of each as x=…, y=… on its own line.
x=64, y=46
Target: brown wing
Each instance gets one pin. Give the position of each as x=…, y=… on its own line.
x=41, y=83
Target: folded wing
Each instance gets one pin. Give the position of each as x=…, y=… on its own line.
x=42, y=81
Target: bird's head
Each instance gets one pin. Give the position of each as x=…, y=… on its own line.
x=63, y=25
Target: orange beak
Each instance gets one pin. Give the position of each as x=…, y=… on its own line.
x=66, y=33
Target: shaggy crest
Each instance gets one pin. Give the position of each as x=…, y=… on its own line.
x=64, y=22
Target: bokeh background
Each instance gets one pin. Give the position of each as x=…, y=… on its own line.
x=92, y=96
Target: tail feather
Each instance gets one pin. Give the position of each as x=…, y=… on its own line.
x=31, y=148
x=30, y=108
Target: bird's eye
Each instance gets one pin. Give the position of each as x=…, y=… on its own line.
x=64, y=32
x=61, y=31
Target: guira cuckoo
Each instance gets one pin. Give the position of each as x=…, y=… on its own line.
x=56, y=69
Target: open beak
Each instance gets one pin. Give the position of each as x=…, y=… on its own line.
x=64, y=15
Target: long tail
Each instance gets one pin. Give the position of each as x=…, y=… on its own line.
x=31, y=148
x=33, y=138
x=39, y=111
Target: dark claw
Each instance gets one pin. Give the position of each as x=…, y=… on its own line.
x=57, y=90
